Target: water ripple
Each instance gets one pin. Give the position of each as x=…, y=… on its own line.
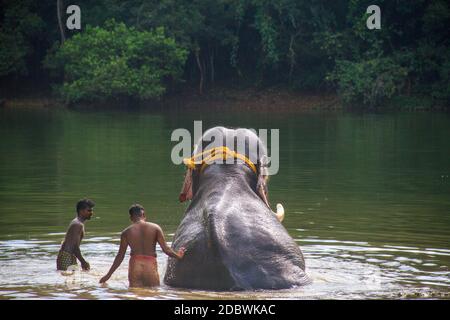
x=339, y=269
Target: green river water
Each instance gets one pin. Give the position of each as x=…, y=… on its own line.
x=367, y=198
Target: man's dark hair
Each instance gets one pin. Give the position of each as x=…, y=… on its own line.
x=136, y=210
x=85, y=203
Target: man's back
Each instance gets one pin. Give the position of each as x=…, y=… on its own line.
x=142, y=238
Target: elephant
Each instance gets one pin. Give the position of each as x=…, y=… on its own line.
x=233, y=240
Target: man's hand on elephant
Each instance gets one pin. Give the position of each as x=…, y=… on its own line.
x=181, y=252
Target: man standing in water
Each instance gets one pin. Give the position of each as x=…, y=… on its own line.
x=142, y=237
x=70, y=248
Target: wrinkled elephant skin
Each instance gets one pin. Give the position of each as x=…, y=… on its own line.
x=233, y=240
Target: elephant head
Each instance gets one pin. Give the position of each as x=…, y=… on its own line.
x=233, y=239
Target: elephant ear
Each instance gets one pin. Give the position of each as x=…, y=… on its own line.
x=263, y=177
x=186, y=190
x=190, y=183
x=256, y=249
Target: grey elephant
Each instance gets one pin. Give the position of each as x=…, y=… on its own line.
x=233, y=240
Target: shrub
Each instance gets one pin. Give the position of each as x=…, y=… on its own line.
x=116, y=62
x=368, y=82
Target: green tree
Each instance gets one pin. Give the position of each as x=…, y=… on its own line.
x=117, y=62
x=19, y=25
x=369, y=82
x=309, y=45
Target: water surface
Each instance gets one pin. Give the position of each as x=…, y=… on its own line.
x=367, y=199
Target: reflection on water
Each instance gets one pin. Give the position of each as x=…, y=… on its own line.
x=367, y=198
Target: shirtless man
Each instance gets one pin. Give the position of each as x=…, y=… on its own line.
x=70, y=248
x=142, y=237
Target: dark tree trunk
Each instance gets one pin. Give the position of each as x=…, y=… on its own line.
x=59, y=6
x=291, y=58
x=211, y=61
x=200, y=68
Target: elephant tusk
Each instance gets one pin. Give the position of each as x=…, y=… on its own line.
x=280, y=212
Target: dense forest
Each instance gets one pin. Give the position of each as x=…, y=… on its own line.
x=145, y=49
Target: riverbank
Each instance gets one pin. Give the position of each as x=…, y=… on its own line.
x=273, y=99
x=261, y=100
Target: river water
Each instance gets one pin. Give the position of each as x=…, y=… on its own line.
x=367, y=198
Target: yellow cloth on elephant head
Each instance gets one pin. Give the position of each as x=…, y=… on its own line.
x=213, y=154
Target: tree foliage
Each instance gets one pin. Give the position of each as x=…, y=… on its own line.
x=20, y=24
x=369, y=82
x=307, y=45
x=115, y=61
